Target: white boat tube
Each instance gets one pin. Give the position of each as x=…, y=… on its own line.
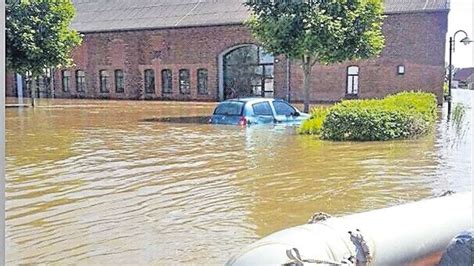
x=406, y=234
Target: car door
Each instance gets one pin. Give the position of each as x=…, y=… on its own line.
x=284, y=113
x=262, y=113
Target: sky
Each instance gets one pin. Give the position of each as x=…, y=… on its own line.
x=461, y=18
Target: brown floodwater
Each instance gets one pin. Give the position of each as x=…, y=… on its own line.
x=133, y=182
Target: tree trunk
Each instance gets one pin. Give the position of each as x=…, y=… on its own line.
x=51, y=83
x=33, y=91
x=306, y=82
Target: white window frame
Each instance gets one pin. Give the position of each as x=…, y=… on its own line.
x=352, y=84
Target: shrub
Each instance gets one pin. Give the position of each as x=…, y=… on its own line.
x=402, y=115
x=314, y=125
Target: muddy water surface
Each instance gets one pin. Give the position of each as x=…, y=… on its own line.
x=95, y=182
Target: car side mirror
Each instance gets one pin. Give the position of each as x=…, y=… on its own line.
x=296, y=113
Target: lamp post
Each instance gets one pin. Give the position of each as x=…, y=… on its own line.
x=452, y=40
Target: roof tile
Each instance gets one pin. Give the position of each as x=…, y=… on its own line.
x=463, y=74
x=111, y=15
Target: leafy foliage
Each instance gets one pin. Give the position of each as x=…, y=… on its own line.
x=318, y=31
x=38, y=35
x=445, y=89
x=402, y=115
x=314, y=125
x=329, y=31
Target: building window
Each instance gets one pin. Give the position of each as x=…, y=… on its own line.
x=119, y=84
x=184, y=86
x=353, y=80
x=401, y=70
x=80, y=81
x=149, y=81
x=248, y=71
x=202, y=81
x=166, y=81
x=104, y=80
x=66, y=76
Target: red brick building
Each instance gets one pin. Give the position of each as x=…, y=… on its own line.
x=200, y=50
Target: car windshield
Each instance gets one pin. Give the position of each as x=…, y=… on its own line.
x=229, y=108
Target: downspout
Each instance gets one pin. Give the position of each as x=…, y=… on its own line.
x=288, y=88
x=51, y=71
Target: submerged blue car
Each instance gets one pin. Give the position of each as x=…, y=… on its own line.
x=248, y=111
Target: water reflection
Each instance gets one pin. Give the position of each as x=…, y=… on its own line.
x=180, y=119
x=92, y=182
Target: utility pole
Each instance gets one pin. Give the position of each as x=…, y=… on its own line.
x=450, y=75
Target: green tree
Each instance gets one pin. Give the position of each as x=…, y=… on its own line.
x=318, y=31
x=38, y=36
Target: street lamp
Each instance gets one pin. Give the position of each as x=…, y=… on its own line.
x=452, y=40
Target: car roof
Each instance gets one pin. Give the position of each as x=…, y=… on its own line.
x=251, y=100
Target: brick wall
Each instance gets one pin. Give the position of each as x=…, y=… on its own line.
x=135, y=51
x=415, y=40
x=10, y=85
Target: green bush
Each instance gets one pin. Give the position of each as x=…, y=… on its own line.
x=314, y=125
x=402, y=115
x=445, y=89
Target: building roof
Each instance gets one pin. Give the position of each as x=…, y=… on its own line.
x=409, y=6
x=115, y=15
x=463, y=74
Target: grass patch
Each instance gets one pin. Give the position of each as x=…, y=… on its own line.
x=402, y=115
x=458, y=120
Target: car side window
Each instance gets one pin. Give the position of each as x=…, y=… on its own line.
x=262, y=108
x=282, y=108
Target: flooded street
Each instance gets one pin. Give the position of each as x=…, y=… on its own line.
x=94, y=182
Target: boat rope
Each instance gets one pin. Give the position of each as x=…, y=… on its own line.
x=296, y=259
x=363, y=256
x=447, y=193
x=318, y=217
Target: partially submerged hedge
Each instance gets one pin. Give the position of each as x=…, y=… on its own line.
x=402, y=115
x=314, y=125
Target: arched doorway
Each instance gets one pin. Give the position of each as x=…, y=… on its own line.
x=245, y=71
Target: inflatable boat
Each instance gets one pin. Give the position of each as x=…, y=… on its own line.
x=410, y=234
